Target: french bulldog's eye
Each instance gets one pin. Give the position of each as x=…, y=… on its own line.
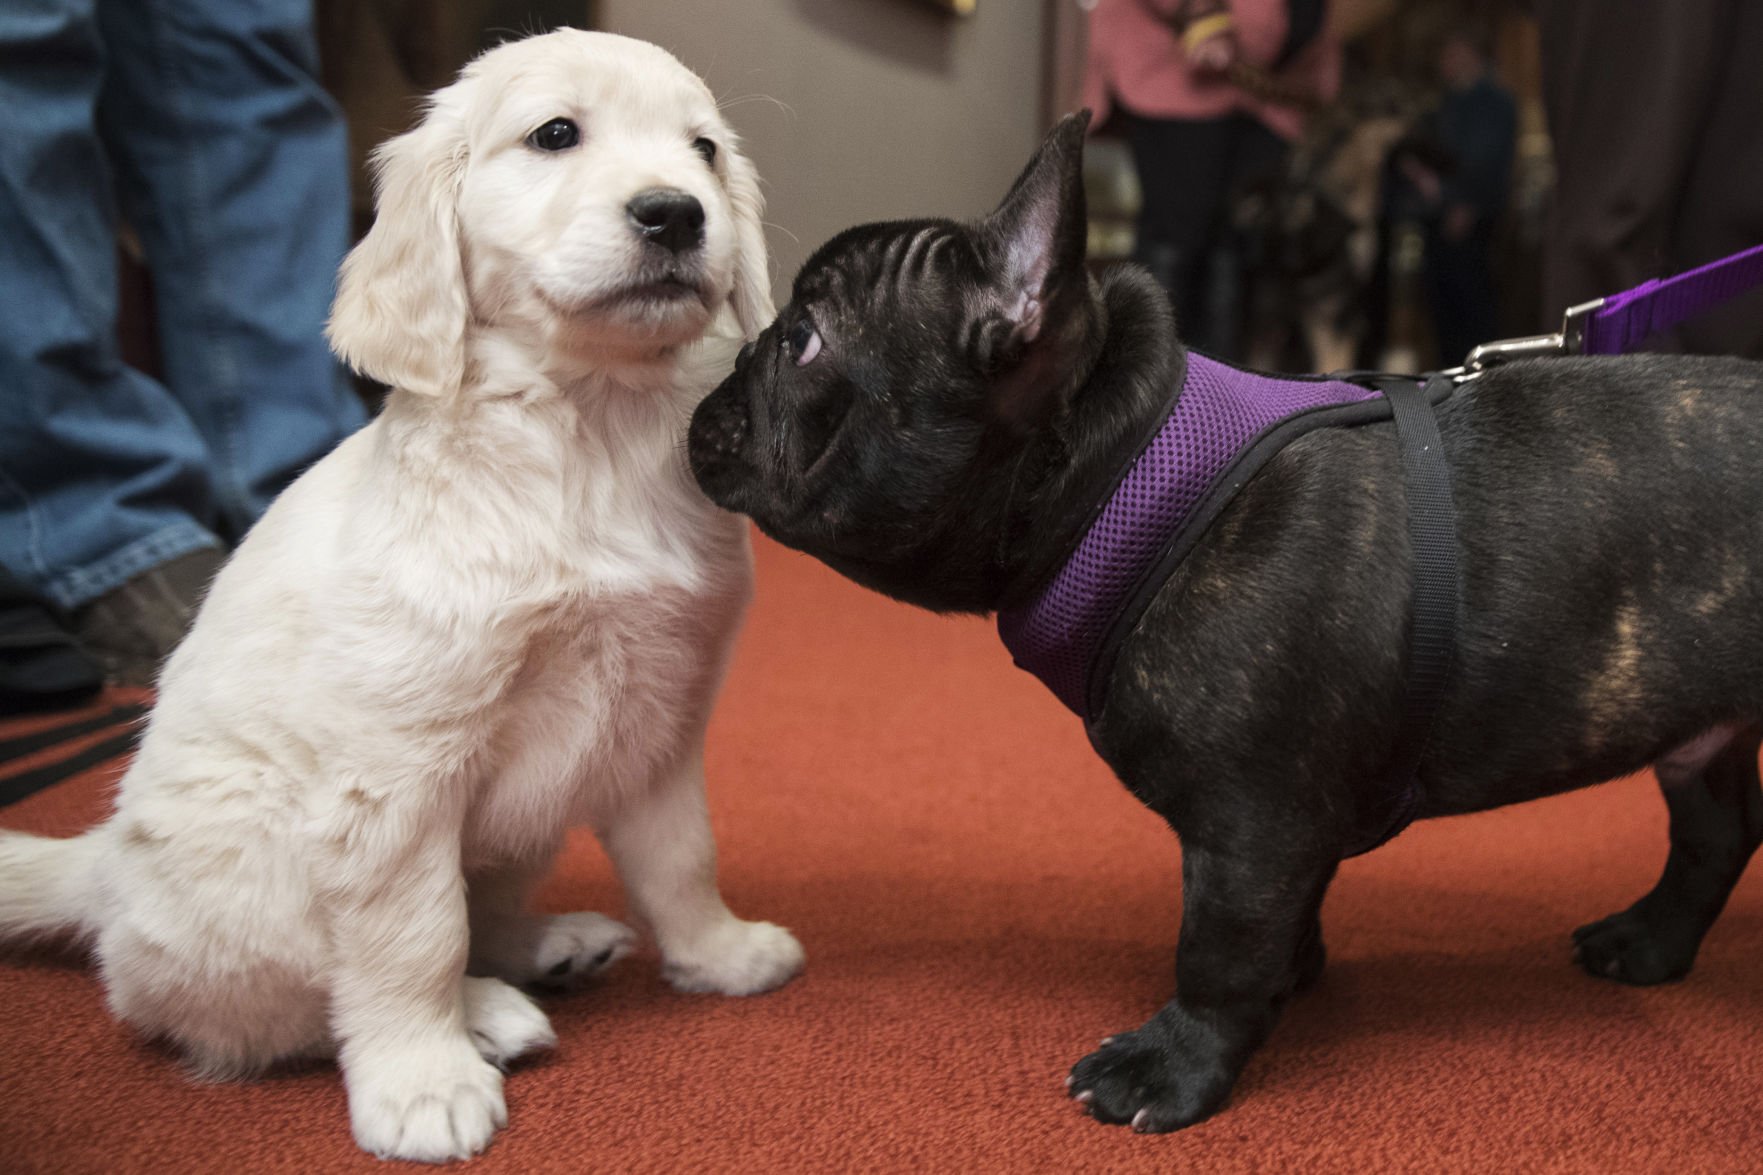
x=559, y=134
x=707, y=149
x=802, y=341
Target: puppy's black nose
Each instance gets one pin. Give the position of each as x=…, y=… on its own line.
x=669, y=217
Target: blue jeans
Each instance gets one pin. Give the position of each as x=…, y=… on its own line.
x=202, y=123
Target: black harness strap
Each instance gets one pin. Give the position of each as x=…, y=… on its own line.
x=1436, y=593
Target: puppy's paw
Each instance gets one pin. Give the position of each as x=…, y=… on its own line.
x=573, y=948
x=429, y=1103
x=555, y=951
x=1151, y=1081
x=737, y=958
x=1634, y=948
x=503, y=1022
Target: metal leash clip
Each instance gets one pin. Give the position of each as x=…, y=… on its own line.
x=1569, y=340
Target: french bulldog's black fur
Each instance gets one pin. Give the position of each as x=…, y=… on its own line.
x=976, y=394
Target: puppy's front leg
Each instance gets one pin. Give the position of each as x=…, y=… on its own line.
x=661, y=843
x=1247, y=923
x=400, y=1004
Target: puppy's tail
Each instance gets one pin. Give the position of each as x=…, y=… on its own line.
x=48, y=885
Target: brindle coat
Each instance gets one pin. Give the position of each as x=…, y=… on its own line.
x=975, y=393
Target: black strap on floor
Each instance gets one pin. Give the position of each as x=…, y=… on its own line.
x=1437, y=589
x=18, y=786
x=123, y=723
x=18, y=746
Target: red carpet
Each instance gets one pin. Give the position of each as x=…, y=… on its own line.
x=981, y=902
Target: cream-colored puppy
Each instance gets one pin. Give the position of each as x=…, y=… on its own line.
x=500, y=609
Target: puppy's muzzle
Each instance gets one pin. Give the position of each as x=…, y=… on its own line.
x=667, y=217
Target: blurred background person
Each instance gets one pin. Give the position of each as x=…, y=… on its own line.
x=202, y=125
x=1458, y=171
x=1208, y=95
x=1654, y=110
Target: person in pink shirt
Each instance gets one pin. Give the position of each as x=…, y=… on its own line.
x=1208, y=94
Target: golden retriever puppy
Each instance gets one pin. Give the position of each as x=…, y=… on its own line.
x=500, y=609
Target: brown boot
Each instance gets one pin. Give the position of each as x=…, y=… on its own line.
x=133, y=629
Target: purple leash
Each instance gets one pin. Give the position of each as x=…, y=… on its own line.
x=1620, y=323
x=1623, y=321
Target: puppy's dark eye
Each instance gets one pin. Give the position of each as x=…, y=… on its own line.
x=559, y=134
x=707, y=149
x=802, y=341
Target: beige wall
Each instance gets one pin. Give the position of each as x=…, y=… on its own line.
x=883, y=108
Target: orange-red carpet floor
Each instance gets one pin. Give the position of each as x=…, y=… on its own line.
x=981, y=902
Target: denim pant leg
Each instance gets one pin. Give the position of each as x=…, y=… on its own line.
x=102, y=473
x=233, y=166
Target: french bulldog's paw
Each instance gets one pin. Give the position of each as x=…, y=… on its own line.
x=737, y=958
x=429, y=1104
x=1635, y=948
x=1144, y=1080
x=573, y=948
x=503, y=1022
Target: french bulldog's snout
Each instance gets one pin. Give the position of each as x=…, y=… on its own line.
x=715, y=440
x=725, y=432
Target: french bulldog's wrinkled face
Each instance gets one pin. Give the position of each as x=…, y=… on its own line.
x=874, y=424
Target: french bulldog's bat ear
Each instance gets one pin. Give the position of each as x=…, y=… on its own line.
x=1036, y=243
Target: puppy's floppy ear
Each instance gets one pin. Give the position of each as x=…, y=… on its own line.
x=401, y=312
x=1036, y=288
x=751, y=298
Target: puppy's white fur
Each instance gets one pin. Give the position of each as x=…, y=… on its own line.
x=500, y=609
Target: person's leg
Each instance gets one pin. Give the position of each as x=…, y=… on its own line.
x=102, y=476
x=1627, y=96
x=1183, y=166
x=235, y=173
x=1722, y=209
x=1253, y=155
x=1375, y=341
x=1460, y=285
x=1441, y=294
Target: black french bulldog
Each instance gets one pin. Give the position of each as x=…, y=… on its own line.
x=940, y=408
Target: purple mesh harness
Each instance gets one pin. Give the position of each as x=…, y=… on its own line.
x=1219, y=415
x=1224, y=424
